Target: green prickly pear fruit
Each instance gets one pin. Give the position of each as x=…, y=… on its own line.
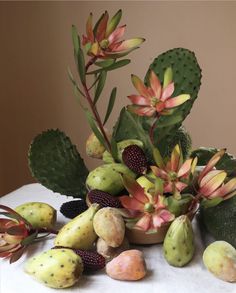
x=110, y=226
x=79, y=232
x=38, y=214
x=58, y=268
x=220, y=259
x=121, y=145
x=107, y=178
x=179, y=242
x=94, y=148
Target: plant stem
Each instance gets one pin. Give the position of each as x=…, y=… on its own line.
x=151, y=131
x=194, y=201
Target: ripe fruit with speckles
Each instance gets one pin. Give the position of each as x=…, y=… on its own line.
x=134, y=158
x=79, y=232
x=220, y=259
x=109, y=225
x=38, y=214
x=104, y=199
x=59, y=268
x=94, y=148
x=129, y=265
x=179, y=242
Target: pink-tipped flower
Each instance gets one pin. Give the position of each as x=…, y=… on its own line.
x=155, y=98
x=149, y=210
x=175, y=173
x=212, y=182
x=104, y=40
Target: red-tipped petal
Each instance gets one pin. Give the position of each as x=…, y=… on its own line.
x=144, y=223
x=136, y=190
x=159, y=172
x=139, y=85
x=180, y=186
x=176, y=101
x=142, y=111
x=209, y=176
x=131, y=203
x=211, y=164
x=102, y=26
x=168, y=187
x=89, y=29
x=185, y=168
x=117, y=34
x=213, y=184
x=139, y=100
x=166, y=215
x=167, y=92
x=128, y=44
x=155, y=84
x=175, y=157
x=157, y=221
x=225, y=189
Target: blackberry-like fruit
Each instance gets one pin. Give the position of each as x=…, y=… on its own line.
x=73, y=208
x=104, y=199
x=134, y=158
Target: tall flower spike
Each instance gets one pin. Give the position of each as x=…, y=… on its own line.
x=175, y=173
x=155, y=98
x=104, y=40
x=150, y=211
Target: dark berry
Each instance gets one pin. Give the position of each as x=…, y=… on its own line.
x=73, y=208
x=104, y=199
x=134, y=158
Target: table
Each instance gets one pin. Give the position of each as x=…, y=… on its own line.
x=161, y=277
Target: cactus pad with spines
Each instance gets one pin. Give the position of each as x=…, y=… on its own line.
x=56, y=164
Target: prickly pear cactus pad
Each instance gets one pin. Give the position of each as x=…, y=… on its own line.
x=56, y=164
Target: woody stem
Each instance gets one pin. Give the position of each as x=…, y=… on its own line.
x=151, y=131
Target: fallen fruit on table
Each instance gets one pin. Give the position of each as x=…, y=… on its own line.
x=110, y=252
x=56, y=268
x=220, y=259
x=110, y=226
x=128, y=266
x=179, y=245
x=79, y=232
x=38, y=214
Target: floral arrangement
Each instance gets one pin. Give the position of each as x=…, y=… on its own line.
x=150, y=184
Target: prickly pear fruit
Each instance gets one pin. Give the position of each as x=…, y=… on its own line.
x=109, y=225
x=38, y=214
x=94, y=148
x=179, y=242
x=79, y=232
x=110, y=252
x=220, y=259
x=73, y=208
x=121, y=145
x=59, y=268
x=107, y=178
x=134, y=158
x=104, y=199
x=129, y=265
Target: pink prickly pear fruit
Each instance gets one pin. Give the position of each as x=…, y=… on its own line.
x=128, y=266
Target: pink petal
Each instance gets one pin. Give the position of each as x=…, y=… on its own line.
x=139, y=85
x=131, y=203
x=185, y=168
x=175, y=157
x=209, y=176
x=128, y=44
x=136, y=190
x=160, y=106
x=166, y=215
x=144, y=223
x=211, y=164
x=155, y=84
x=213, y=184
x=89, y=28
x=168, y=187
x=159, y=172
x=176, y=101
x=180, y=186
x=225, y=189
x=117, y=34
x=101, y=29
x=157, y=220
x=144, y=111
x=167, y=92
x=139, y=100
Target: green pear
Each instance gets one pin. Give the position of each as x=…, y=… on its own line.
x=79, y=232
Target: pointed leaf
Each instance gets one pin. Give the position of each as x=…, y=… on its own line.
x=17, y=255
x=209, y=203
x=113, y=22
x=28, y=240
x=97, y=24
x=110, y=104
x=158, y=186
x=158, y=158
x=76, y=40
x=100, y=86
x=81, y=65
x=105, y=63
x=114, y=149
x=74, y=82
x=113, y=66
x=168, y=77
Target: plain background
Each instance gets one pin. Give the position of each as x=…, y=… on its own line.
x=36, y=50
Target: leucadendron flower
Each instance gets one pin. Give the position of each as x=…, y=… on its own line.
x=104, y=39
x=155, y=99
x=175, y=172
x=148, y=210
x=212, y=182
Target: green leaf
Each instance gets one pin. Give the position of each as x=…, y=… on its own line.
x=76, y=40
x=110, y=104
x=105, y=63
x=113, y=66
x=28, y=240
x=158, y=186
x=114, y=149
x=158, y=158
x=95, y=129
x=97, y=24
x=100, y=86
x=209, y=203
x=74, y=82
x=168, y=76
x=81, y=65
x=113, y=22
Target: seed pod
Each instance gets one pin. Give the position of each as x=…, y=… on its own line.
x=73, y=208
x=134, y=158
x=104, y=199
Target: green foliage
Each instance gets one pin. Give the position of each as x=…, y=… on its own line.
x=227, y=162
x=56, y=164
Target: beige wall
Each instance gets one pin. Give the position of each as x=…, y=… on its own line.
x=35, y=51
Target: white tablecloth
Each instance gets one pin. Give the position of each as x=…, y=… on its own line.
x=161, y=277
